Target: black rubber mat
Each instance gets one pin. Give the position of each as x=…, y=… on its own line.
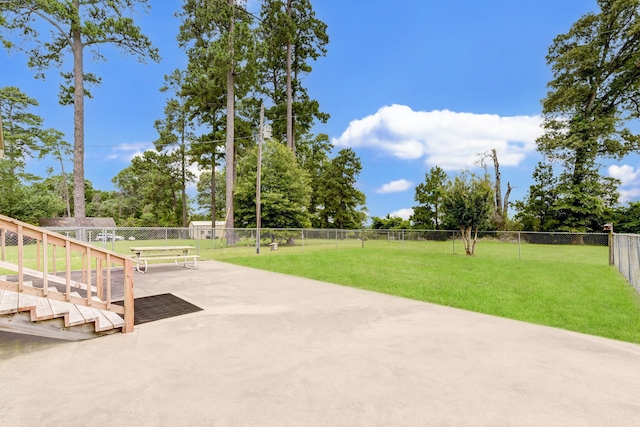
x=156, y=307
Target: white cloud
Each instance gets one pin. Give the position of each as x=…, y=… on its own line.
x=630, y=188
x=445, y=138
x=625, y=173
x=395, y=187
x=629, y=195
x=402, y=213
x=196, y=171
x=126, y=152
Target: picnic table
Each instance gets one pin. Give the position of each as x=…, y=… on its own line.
x=143, y=254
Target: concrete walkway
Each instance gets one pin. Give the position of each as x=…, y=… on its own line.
x=275, y=350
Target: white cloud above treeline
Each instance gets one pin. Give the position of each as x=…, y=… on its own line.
x=126, y=152
x=628, y=175
x=444, y=138
x=625, y=173
x=402, y=213
x=395, y=187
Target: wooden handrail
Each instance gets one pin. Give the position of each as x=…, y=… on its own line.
x=43, y=265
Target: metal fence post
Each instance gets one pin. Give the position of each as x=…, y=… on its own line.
x=519, y=249
x=453, y=241
x=629, y=261
x=611, y=246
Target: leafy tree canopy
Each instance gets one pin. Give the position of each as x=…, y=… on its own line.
x=285, y=190
x=389, y=223
x=291, y=36
x=73, y=26
x=429, y=195
x=340, y=203
x=150, y=189
x=467, y=205
x=593, y=94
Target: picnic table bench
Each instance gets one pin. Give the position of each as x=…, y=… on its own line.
x=176, y=253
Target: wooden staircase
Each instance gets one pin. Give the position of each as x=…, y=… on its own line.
x=32, y=315
x=67, y=296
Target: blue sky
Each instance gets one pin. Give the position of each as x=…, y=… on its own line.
x=409, y=85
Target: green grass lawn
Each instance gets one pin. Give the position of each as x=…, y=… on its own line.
x=564, y=286
x=569, y=287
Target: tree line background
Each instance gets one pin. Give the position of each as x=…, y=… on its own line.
x=239, y=62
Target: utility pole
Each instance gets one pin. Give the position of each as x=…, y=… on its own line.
x=258, y=179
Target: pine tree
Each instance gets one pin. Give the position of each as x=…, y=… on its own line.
x=75, y=26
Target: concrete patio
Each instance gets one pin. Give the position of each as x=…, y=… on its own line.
x=276, y=350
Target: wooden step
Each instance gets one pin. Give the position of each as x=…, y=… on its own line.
x=26, y=302
x=9, y=302
x=103, y=323
x=72, y=315
x=54, y=328
x=43, y=310
x=98, y=317
x=89, y=314
x=59, y=308
x=116, y=321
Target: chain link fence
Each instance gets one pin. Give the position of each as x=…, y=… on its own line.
x=559, y=238
x=626, y=256
x=297, y=236
x=219, y=242
x=309, y=239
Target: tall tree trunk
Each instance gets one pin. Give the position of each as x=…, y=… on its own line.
x=184, y=173
x=1, y=138
x=65, y=186
x=465, y=239
x=505, y=205
x=230, y=148
x=500, y=205
x=213, y=194
x=79, y=211
x=475, y=239
x=498, y=186
x=290, y=142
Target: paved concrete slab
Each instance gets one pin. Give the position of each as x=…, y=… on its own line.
x=275, y=350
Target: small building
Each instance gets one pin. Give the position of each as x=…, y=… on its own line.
x=203, y=229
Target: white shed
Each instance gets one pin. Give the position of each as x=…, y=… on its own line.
x=203, y=229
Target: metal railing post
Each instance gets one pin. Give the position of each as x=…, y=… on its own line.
x=629, y=274
x=453, y=242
